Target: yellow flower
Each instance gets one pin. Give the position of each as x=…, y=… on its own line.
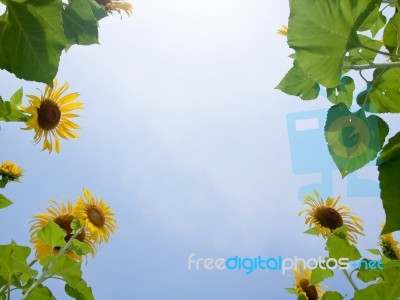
x=96, y=216
x=10, y=170
x=283, y=30
x=51, y=114
x=62, y=215
x=302, y=277
x=116, y=5
x=326, y=217
x=389, y=246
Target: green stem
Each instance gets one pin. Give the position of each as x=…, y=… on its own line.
x=373, y=66
x=33, y=262
x=47, y=270
x=350, y=280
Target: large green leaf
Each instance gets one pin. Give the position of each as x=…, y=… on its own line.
x=374, y=22
x=31, y=39
x=318, y=275
x=332, y=296
x=382, y=93
x=342, y=93
x=391, y=35
x=80, y=22
x=65, y=267
x=362, y=56
x=80, y=248
x=80, y=292
x=353, y=139
x=389, y=288
x=52, y=235
x=13, y=261
x=41, y=293
x=389, y=179
x=321, y=32
x=297, y=83
x=366, y=274
x=340, y=248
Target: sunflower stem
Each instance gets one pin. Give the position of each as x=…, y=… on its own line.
x=373, y=66
x=33, y=262
x=47, y=270
x=350, y=280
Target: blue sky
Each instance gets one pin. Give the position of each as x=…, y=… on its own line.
x=186, y=138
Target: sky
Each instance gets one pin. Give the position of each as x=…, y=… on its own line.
x=185, y=137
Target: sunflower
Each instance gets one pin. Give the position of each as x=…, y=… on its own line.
x=116, y=5
x=10, y=170
x=283, y=30
x=326, y=217
x=302, y=277
x=389, y=246
x=51, y=114
x=96, y=216
x=63, y=216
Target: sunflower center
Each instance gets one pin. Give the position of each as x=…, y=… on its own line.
x=311, y=291
x=329, y=217
x=64, y=221
x=96, y=216
x=49, y=114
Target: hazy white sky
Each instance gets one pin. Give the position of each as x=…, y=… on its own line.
x=185, y=137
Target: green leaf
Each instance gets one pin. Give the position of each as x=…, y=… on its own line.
x=52, y=235
x=367, y=274
x=75, y=225
x=391, y=35
x=318, y=275
x=374, y=251
x=332, y=296
x=10, y=112
x=297, y=83
x=13, y=261
x=41, y=293
x=311, y=231
x=98, y=11
x=382, y=93
x=321, y=32
x=374, y=22
x=302, y=297
x=291, y=290
x=80, y=248
x=369, y=20
x=65, y=267
x=31, y=39
x=362, y=56
x=339, y=248
x=343, y=93
x=4, y=202
x=353, y=140
x=389, y=178
x=341, y=232
x=80, y=23
x=80, y=292
x=389, y=288
x=16, y=98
